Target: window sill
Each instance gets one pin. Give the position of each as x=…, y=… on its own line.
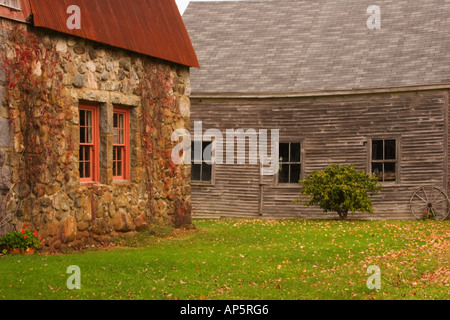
x=96, y=183
x=89, y=183
x=390, y=184
x=202, y=184
x=287, y=186
x=122, y=182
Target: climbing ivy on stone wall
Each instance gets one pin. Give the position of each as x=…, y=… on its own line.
x=161, y=116
x=37, y=111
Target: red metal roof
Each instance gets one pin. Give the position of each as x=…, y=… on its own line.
x=150, y=27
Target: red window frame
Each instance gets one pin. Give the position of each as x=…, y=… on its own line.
x=121, y=143
x=89, y=140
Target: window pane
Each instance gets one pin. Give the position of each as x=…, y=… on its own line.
x=81, y=153
x=377, y=150
x=115, y=137
x=81, y=169
x=377, y=170
x=195, y=172
x=82, y=118
x=389, y=150
x=295, y=173
x=207, y=155
x=87, y=153
x=121, y=121
x=389, y=172
x=121, y=138
x=82, y=134
x=118, y=169
x=295, y=152
x=284, y=152
x=87, y=170
x=283, y=176
x=120, y=131
x=195, y=146
x=88, y=134
x=88, y=118
x=206, y=172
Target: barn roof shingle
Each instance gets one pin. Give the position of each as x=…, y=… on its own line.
x=275, y=46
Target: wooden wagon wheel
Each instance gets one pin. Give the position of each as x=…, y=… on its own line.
x=429, y=202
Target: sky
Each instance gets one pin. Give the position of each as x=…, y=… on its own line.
x=182, y=4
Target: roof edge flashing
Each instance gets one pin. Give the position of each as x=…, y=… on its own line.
x=274, y=95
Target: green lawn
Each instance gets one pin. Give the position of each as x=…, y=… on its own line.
x=248, y=259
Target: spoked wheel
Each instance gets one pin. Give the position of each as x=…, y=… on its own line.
x=429, y=202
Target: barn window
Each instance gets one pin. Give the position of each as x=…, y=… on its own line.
x=121, y=143
x=14, y=4
x=201, y=167
x=89, y=143
x=290, y=163
x=384, y=159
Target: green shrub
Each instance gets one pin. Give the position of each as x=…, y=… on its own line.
x=341, y=189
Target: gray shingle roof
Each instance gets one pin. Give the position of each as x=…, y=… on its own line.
x=275, y=46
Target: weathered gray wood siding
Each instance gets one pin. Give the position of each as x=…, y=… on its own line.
x=332, y=129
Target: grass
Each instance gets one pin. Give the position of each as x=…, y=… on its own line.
x=248, y=259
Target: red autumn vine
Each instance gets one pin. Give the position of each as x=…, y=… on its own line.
x=35, y=99
x=157, y=107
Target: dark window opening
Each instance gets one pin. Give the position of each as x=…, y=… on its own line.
x=290, y=163
x=384, y=160
x=201, y=167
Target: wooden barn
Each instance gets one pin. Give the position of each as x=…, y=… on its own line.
x=342, y=81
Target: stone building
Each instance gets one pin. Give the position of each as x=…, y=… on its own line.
x=343, y=82
x=90, y=96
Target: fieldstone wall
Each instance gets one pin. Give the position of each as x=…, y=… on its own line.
x=5, y=143
x=54, y=203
